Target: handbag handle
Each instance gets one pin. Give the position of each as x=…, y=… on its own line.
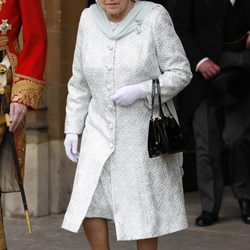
x=153, y=98
x=156, y=85
x=161, y=113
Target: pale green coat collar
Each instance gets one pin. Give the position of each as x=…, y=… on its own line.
x=131, y=22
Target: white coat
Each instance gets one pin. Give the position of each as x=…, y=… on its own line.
x=147, y=194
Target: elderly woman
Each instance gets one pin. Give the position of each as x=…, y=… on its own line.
x=121, y=46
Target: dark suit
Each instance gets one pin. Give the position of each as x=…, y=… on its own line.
x=199, y=24
x=204, y=27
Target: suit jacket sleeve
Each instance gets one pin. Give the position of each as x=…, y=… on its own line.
x=28, y=84
x=248, y=14
x=183, y=20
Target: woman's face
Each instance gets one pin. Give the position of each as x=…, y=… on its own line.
x=116, y=10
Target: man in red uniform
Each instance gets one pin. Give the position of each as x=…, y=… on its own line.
x=23, y=82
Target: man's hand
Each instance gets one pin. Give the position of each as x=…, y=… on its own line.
x=209, y=69
x=17, y=113
x=248, y=40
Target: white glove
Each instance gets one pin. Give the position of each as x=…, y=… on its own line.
x=70, y=145
x=128, y=94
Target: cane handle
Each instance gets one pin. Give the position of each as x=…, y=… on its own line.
x=7, y=119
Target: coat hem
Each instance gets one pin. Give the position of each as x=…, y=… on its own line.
x=71, y=229
x=149, y=236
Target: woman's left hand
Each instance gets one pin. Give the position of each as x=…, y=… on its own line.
x=127, y=95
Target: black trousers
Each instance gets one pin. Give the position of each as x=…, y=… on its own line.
x=215, y=129
x=218, y=128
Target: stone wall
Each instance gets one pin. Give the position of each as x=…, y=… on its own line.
x=62, y=21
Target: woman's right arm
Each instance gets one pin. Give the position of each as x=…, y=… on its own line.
x=78, y=91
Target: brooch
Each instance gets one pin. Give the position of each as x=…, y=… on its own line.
x=5, y=27
x=139, y=24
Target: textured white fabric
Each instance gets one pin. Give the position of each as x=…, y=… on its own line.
x=127, y=95
x=101, y=204
x=70, y=145
x=147, y=194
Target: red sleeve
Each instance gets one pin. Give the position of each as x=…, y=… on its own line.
x=29, y=84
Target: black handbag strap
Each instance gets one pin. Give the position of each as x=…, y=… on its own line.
x=161, y=113
x=156, y=85
x=153, y=98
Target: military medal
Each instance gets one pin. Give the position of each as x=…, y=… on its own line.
x=1, y=3
x=5, y=27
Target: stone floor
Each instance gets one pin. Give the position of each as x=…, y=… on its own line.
x=230, y=233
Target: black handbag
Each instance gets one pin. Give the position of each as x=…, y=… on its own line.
x=165, y=134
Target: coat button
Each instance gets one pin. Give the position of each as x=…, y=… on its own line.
x=110, y=108
x=111, y=145
x=109, y=87
x=110, y=126
x=110, y=47
x=109, y=68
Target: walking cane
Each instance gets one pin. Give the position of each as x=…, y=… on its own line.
x=10, y=136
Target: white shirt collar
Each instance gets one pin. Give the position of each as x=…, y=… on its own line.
x=232, y=2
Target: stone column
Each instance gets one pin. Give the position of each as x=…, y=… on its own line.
x=62, y=22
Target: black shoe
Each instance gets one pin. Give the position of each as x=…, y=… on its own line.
x=206, y=219
x=245, y=210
